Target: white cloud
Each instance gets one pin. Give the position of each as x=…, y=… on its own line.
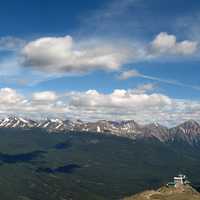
x=44, y=96
x=62, y=54
x=128, y=74
x=10, y=96
x=165, y=43
x=93, y=105
x=118, y=99
x=51, y=57
x=128, y=104
x=134, y=104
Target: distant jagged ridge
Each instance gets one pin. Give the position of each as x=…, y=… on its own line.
x=188, y=131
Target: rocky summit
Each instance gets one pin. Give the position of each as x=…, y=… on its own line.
x=185, y=192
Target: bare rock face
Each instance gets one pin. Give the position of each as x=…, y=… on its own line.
x=157, y=131
x=184, y=192
x=188, y=131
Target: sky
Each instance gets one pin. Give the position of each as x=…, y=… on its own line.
x=100, y=59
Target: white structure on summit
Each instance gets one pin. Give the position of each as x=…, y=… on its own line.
x=179, y=180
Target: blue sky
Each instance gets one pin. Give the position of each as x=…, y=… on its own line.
x=96, y=59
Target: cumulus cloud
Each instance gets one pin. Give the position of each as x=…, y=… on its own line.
x=47, y=58
x=44, y=96
x=38, y=104
x=63, y=54
x=10, y=96
x=119, y=99
x=137, y=104
x=165, y=43
x=129, y=104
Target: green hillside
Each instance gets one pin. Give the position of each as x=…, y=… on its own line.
x=37, y=165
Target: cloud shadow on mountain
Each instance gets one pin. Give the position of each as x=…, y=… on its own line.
x=63, y=169
x=20, y=158
x=63, y=145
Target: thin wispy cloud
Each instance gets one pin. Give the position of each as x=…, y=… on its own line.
x=10, y=43
x=134, y=73
x=108, y=16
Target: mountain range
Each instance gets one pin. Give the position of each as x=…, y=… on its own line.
x=189, y=131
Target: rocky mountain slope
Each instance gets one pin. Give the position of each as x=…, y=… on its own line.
x=168, y=193
x=188, y=131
